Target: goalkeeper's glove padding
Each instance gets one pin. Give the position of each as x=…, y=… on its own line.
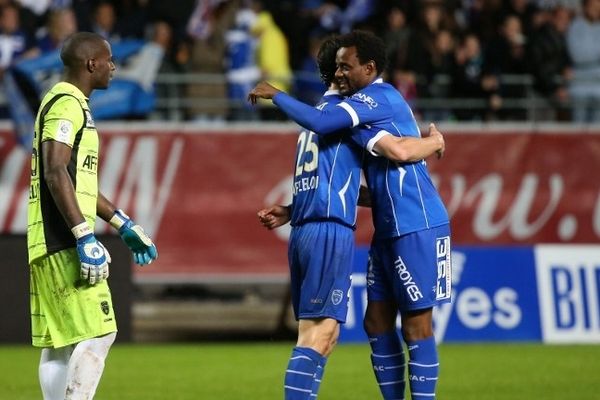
x=93, y=256
x=144, y=251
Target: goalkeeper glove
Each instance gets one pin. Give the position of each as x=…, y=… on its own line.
x=93, y=256
x=144, y=251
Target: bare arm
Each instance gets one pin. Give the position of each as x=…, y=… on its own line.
x=104, y=208
x=56, y=157
x=410, y=149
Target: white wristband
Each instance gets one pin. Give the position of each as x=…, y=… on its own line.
x=81, y=230
x=118, y=219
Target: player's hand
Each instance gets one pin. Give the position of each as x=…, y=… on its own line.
x=439, y=138
x=140, y=244
x=274, y=216
x=262, y=90
x=94, y=259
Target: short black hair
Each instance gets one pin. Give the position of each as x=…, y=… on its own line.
x=79, y=47
x=326, y=59
x=368, y=48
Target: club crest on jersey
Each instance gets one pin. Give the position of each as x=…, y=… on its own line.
x=368, y=100
x=89, y=121
x=105, y=308
x=337, y=296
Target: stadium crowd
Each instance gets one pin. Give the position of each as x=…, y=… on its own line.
x=480, y=51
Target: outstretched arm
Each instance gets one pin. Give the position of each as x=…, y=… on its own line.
x=411, y=149
x=320, y=122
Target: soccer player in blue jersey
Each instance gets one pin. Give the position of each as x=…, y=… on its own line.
x=321, y=247
x=409, y=269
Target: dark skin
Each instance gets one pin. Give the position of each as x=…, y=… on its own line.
x=92, y=70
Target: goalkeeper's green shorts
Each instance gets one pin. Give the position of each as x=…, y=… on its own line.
x=64, y=308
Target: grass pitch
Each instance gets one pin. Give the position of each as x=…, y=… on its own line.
x=255, y=371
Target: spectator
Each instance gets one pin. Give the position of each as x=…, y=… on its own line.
x=440, y=69
x=528, y=13
x=105, y=21
x=583, y=43
x=272, y=58
x=61, y=24
x=470, y=83
x=14, y=42
x=396, y=37
x=161, y=34
x=207, y=27
x=425, y=56
x=550, y=61
x=240, y=64
x=506, y=55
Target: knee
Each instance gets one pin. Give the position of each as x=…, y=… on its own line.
x=379, y=320
x=416, y=331
x=322, y=341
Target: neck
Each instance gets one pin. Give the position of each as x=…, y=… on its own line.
x=82, y=85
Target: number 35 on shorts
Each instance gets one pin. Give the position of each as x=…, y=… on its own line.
x=444, y=268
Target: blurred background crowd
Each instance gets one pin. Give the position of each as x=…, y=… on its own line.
x=463, y=60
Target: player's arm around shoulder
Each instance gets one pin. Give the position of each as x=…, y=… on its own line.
x=411, y=149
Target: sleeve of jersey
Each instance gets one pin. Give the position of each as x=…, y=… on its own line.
x=366, y=138
x=364, y=108
x=321, y=122
x=63, y=121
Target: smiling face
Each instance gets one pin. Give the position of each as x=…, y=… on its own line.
x=351, y=75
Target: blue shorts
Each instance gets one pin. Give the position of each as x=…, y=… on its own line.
x=414, y=270
x=320, y=255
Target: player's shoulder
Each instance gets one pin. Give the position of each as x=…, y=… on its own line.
x=375, y=94
x=329, y=99
x=66, y=95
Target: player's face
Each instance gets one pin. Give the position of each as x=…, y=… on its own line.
x=104, y=67
x=351, y=75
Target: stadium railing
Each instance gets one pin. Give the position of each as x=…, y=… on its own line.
x=174, y=102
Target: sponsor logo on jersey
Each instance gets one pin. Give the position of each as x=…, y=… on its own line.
x=368, y=100
x=444, y=266
x=407, y=280
x=90, y=162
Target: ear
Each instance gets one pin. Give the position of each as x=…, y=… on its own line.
x=371, y=68
x=91, y=65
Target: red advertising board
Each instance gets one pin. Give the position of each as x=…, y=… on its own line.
x=197, y=192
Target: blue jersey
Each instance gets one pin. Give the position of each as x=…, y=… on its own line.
x=403, y=195
x=326, y=174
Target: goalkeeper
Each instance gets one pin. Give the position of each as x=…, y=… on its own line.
x=72, y=316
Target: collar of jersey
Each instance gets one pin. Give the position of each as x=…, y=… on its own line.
x=70, y=87
x=332, y=92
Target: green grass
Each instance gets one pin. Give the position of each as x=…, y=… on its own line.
x=255, y=371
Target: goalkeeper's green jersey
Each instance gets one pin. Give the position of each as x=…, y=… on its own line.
x=64, y=116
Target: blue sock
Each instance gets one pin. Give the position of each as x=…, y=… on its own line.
x=423, y=368
x=301, y=372
x=388, y=364
x=318, y=378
